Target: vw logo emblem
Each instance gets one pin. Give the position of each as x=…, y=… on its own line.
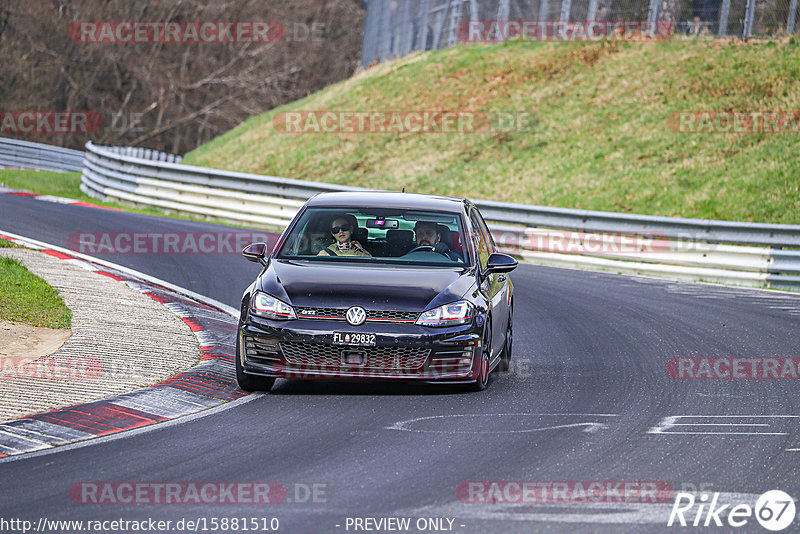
x=356, y=315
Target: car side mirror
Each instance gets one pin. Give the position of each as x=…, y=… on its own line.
x=500, y=263
x=256, y=252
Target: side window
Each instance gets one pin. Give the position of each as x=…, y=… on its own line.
x=479, y=238
x=485, y=229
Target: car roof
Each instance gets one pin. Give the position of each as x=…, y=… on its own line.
x=387, y=199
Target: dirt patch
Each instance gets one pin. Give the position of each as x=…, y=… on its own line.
x=24, y=341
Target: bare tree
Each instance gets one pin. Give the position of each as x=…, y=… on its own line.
x=170, y=96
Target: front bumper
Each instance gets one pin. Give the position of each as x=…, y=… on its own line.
x=304, y=349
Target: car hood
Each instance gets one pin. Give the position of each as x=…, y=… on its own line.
x=388, y=287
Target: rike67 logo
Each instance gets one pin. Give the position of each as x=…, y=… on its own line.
x=774, y=510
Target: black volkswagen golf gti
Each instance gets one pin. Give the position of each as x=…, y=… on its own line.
x=378, y=286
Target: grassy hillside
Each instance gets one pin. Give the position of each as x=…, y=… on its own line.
x=599, y=140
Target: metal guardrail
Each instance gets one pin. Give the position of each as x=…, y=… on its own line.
x=689, y=249
x=145, y=153
x=27, y=155
x=774, y=235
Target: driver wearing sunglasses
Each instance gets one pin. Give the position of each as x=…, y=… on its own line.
x=342, y=229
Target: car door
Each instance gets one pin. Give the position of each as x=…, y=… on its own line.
x=494, y=286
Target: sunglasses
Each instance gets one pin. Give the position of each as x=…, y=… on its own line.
x=343, y=228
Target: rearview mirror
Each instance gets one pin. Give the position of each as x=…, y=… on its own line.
x=256, y=252
x=383, y=224
x=500, y=263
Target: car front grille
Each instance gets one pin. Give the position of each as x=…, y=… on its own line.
x=321, y=313
x=387, y=316
x=389, y=359
x=391, y=316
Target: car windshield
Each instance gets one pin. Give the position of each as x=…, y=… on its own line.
x=395, y=236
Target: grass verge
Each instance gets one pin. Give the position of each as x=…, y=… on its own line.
x=28, y=299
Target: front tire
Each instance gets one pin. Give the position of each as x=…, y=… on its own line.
x=249, y=382
x=505, y=356
x=482, y=381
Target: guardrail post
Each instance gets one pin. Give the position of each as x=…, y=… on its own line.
x=384, y=35
x=408, y=30
x=543, y=10
x=723, y=17
x=652, y=13
x=749, y=16
x=455, y=19
x=566, y=7
x=422, y=31
x=502, y=13
x=592, y=14
x=792, y=14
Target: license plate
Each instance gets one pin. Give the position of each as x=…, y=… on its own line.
x=353, y=339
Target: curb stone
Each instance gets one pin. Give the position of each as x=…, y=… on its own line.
x=208, y=384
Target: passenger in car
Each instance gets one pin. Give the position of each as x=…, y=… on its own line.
x=342, y=228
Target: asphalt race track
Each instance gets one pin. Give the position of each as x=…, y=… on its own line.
x=587, y=399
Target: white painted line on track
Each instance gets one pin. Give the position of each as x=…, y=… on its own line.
x=589, y=426
x=739, y=416
x=724, y=433
x=667, y=423
x=720, y=424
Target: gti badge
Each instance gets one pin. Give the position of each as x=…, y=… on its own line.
x=356, y=315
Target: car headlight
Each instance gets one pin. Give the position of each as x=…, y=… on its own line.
x=448, y=315
x=265, y=305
